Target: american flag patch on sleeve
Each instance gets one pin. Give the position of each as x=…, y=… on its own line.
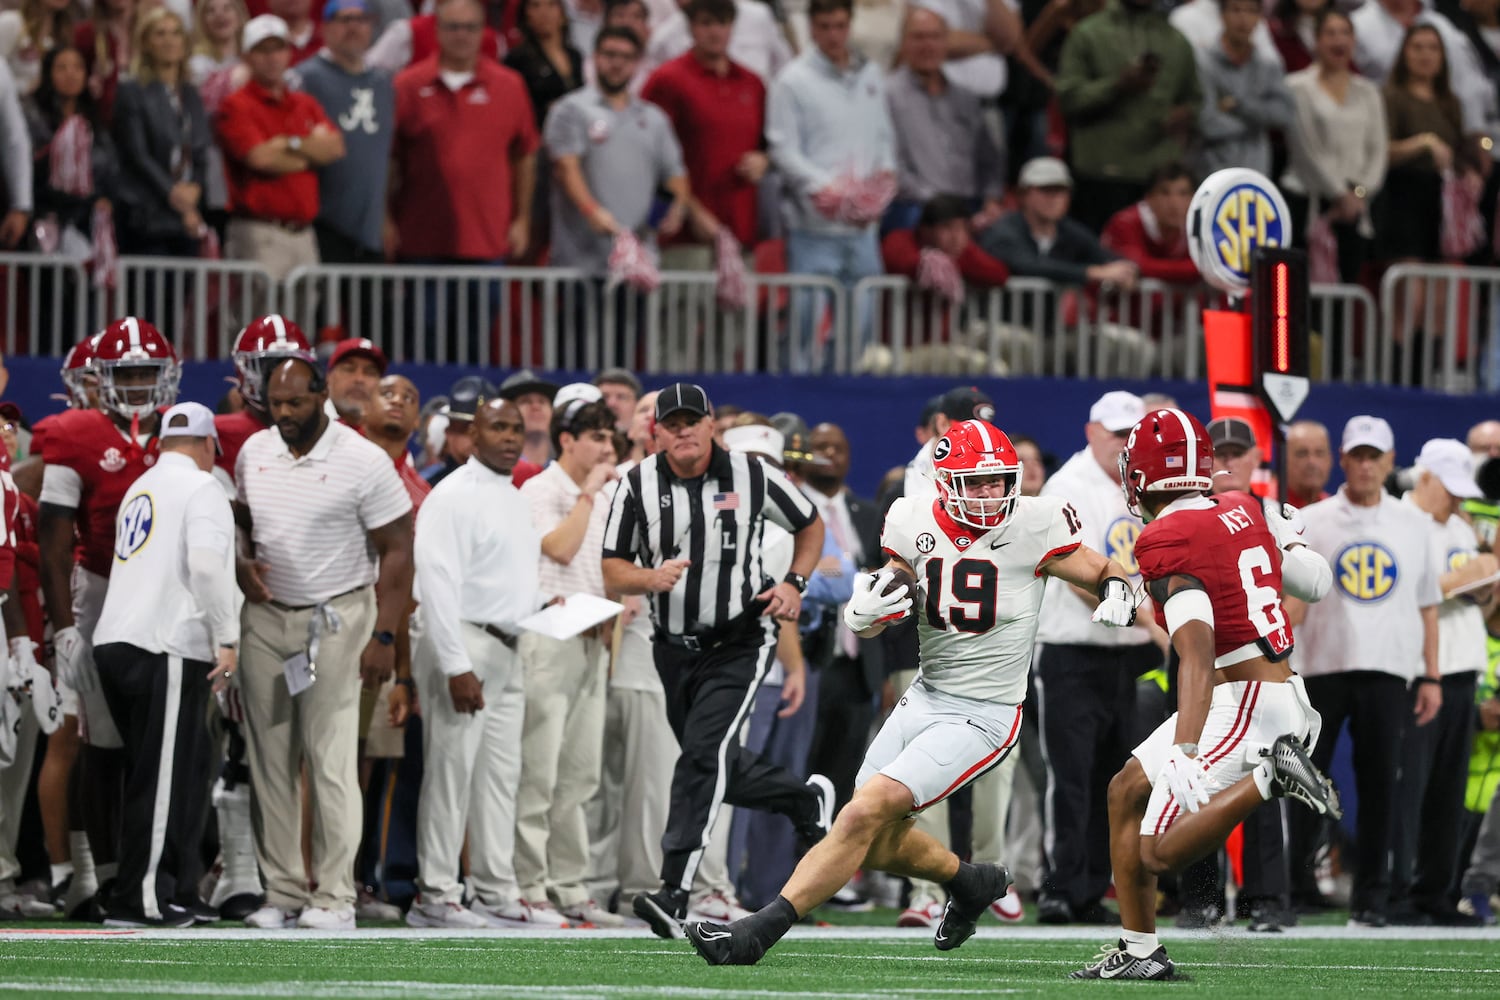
x=726, y=501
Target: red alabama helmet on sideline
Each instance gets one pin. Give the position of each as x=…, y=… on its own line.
x=132, y=344
x=265, y=341
x=1168, y=451
x=973, y=449
x=78, y=367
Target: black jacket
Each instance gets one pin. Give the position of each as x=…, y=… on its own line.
x=148, y=129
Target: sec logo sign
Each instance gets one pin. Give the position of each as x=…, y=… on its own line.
x=1234, y=212
x=1119, y=543
x=133, y=530
x=1367, y=571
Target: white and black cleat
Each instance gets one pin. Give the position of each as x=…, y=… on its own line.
x=961, y=916
x=662, y=911
x=815, y=826
x=1114, y=962
x=1295, y=776
x=724, y=944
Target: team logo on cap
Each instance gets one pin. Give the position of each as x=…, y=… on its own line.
x=1367, y=571
x=1232, y=214
x=133, y=530
x=1119, y=543
x=984, y=411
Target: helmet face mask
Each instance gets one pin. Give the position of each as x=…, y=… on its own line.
x=79, y=377
x=137, y=369
x=262, y=345
x=978, y=474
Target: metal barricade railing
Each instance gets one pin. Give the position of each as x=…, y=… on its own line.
x=200, y=304
x=43, y=302
x=1438, y=326
x=790, y=323
x=1345, y=334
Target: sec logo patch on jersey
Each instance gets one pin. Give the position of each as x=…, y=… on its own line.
x=1456, y=558
x=1119, y=543
x=133, y=530
x=1367, y=571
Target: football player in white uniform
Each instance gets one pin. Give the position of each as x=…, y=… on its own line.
x=981, y=552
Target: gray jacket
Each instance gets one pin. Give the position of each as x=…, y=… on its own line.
x=160, y=145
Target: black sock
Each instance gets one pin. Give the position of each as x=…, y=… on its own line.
x=966, y=884
x=771, y=922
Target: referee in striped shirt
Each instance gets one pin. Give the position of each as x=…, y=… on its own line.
x=685, y=527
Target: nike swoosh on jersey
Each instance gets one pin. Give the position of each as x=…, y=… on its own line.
x=998, y=544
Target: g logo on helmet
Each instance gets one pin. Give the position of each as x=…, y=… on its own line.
x=1233, y=212
x=940, y=452
x=1367, y=571
x=133, y=530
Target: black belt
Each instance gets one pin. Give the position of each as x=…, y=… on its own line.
x=703, y=641
x=499, y=633
x=308, y=607
x=284, y=224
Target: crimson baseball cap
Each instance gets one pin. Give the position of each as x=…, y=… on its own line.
x=682, y=396
x=358, y=345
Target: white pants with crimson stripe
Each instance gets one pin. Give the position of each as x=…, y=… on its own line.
x=1244, y=718
x=935, y=743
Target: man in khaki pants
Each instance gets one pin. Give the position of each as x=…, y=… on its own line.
x=326, y=567
x=563, y=740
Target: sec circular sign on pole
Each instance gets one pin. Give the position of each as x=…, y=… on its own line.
x=1234, y=212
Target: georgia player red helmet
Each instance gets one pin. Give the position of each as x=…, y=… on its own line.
x=137, y=368
x=968, y=463
x=264, y=342
x=1168, y=451
x=78, y=375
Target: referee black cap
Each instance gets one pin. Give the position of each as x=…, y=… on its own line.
x=682, y=396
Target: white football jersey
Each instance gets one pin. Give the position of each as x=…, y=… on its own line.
x=979, y=592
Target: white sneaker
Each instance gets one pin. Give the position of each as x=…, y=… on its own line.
x=1008, y=907
x=270, y=918
x=592, y=914
x=321, y=918
x=450, y=915
x=924, y=911
x=717, y=908
x=367, y=907
x=519, y=913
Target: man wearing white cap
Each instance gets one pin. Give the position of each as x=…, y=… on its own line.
x=562, y=743
x=1085, y=676
x=168, y=632
x=1435, y=758
x=1369, y=651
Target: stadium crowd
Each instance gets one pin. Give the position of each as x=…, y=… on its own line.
x=953, y=141
x=377, y=744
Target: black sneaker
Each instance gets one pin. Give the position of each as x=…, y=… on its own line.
x=1367, y=918
x=172, y=915
x=724, y=944
x=815, y=826
x=201, y=912
x=1294, y=776
x=1269, y=918
x=238, y=907
x=1199, y=918
x=1096, y=913
x=961, y=916
x=1114, y=962
x=1051, y=910
x=664, y=910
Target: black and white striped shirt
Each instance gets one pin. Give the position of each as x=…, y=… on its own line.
x=715, y=522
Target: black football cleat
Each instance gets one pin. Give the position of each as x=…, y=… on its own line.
x=815, y=825
x=961, y=916
x=663, y=910
x=1114, y=962
x=1295, y=776
x=725, y=944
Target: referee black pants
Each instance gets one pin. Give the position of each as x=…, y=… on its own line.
x=709, y=695
x=159, y=703
x=846, y=708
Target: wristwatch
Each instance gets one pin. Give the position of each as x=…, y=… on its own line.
x=294, y=143
x=384, y=638
x=796, y=580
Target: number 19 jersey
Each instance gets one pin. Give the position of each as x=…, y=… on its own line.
x=979, y=591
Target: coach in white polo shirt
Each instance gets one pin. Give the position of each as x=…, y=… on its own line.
x=167, y=630
x=477, y=579
x=1369, y=651
x=1435, y=758
x=325, y=564
x=1085, y=676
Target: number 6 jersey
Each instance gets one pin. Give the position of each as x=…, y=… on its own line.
x=979, y=591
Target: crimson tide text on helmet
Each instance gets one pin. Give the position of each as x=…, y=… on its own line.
x=78, y=373
x=975, y=454
x=137, y=368
x=261, y=346
x=1168, y=451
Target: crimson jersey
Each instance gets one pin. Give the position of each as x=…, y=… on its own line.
x=106, y=462
x=234, y=430
x=10, y=521
x=1224, y=542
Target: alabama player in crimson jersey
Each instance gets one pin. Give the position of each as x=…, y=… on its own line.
x=981, y=552
x=260, y=346
x=1215, y=567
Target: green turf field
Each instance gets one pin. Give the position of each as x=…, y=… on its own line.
x=857, y=964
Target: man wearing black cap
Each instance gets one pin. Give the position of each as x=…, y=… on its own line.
x=1236, y=455
x=533, y=397
x=464, y=400
x=685, y=528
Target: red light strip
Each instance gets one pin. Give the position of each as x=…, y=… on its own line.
x=1281, y=338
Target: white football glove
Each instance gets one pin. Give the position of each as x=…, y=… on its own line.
x=1117, y=607
x=869, y=605
x=1185, y=778
x=75, y=660
x=1285, y=522
x=32, y=677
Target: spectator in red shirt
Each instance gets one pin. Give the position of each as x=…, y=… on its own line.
x=1153, y=231
x=414, y=40
x=303, y=33
x=1293, y=29
x=943, y=226
x=718, y=110
x=274, y=140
